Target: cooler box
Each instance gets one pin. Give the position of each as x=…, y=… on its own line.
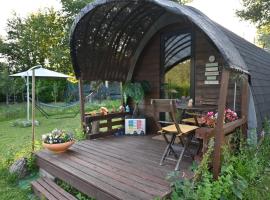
x=135, y=126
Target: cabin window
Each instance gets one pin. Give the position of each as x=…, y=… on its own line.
x=177, y=80
x=176, y=64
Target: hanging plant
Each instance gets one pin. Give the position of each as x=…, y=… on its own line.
x=136, y=91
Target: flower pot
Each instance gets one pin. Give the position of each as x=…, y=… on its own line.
x=58, y=148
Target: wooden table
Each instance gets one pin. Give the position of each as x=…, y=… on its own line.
x=194, y=111
x=202, y=133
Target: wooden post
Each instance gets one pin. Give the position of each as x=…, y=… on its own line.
x=33, y=110
x=219, y=132
x=82, y=111
x=244, y=104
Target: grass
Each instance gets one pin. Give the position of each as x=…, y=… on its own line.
x=13, y=139
x=15, y=142
x=9, y=189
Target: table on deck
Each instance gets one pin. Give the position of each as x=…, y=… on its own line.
x=194, y=111
x=201, y=133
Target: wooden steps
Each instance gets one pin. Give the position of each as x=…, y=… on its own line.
x=45, y=188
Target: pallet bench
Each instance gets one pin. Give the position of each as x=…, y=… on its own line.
x=45, y=188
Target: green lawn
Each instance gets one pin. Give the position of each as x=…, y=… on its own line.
x=16, y=141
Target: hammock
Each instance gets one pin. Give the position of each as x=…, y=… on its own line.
x=68, y=105
x=39, y=106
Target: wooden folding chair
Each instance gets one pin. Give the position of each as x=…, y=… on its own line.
x=183, y=131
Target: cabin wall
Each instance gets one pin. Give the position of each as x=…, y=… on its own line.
x=148, y=68
x=203, y=48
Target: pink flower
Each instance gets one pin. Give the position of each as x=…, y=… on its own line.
x=210, y=114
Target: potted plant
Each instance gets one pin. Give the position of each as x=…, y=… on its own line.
x=209, y=120
x=57, y=141
x=136, y=91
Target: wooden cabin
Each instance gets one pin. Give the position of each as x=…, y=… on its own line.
x=153, y=40
x=130, y=40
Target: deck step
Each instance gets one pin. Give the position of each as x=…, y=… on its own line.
x=45, y=188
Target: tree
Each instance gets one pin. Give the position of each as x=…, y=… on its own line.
x=54, y=92
x=71, y=8
x=257, y=11
x=17, y=88
x=5, y=82
x=264, y=36
x=37, y=39
x=41, y=38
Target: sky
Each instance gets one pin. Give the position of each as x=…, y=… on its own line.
x=221, y=11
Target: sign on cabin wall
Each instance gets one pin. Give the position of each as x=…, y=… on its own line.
x=211, y=72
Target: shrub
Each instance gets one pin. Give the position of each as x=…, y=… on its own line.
x=242, y=170
x=72, y=190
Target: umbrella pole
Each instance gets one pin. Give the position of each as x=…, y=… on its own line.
x=33, y=110
x=28, y=103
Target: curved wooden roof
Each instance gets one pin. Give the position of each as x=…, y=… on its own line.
x=108, y=36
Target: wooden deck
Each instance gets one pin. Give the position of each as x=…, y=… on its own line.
x=124, y=167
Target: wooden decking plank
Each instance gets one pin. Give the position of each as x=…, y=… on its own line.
x=135, y=187
x=135, y=148
x=103, y=186
x=103, y=182
x=144, y=142
x=126, y=160
x=127, y=154
x=58, y=189
x=120, y=170
x=126, y=138
x=76, y=180
x=51, y=189
x=137, y=140
x=121, y=165
x=127, y=157
x=112, y=168
x=130, y=158
x=107, y=178
x=41, y=192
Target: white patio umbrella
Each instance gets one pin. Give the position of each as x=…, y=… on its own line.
x=39, y=72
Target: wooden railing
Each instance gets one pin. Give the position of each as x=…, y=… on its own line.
x=99, y=125
x=205, y=133
x=221, y=129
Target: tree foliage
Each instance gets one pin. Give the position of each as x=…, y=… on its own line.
x=257, y=11
x=264, y=36
x=41, y=38
x=37, y=39
x=70, y=8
